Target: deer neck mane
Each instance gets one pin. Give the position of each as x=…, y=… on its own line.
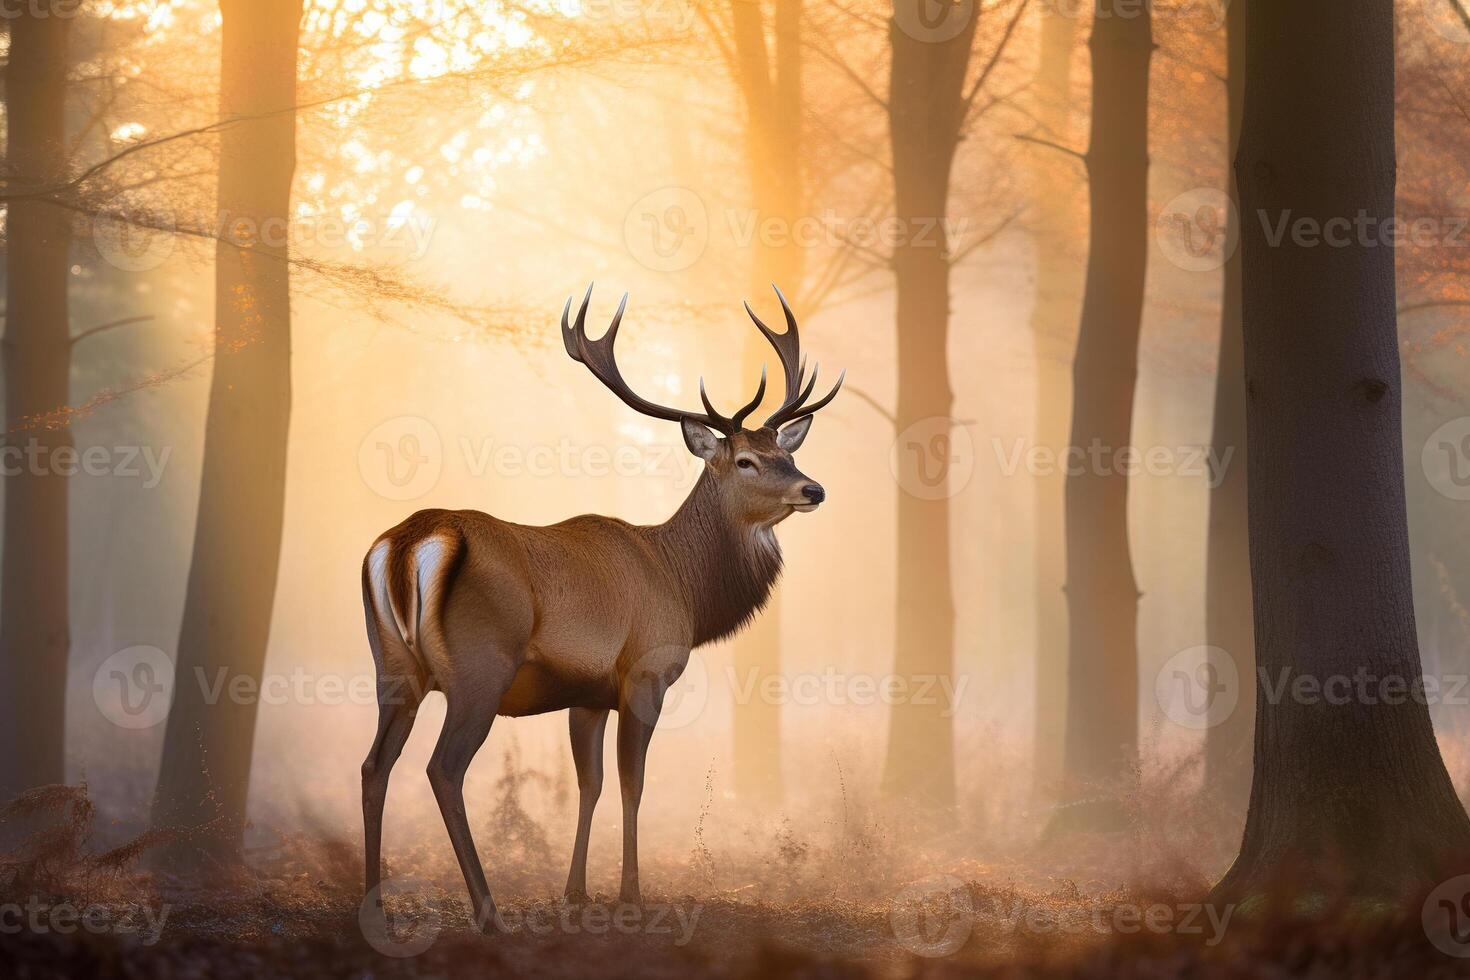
x=724, y=570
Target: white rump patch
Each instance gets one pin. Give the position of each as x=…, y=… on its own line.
x=378, y=580
x=428, y=562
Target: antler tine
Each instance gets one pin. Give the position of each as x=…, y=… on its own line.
x=570, y=333
x=797, y=409
x=791, y=408
x=807, y=391
x=788, y=348
x=760, y=392
x=811, y=409
x=785, y=308
x=599, y=358
x=708, y=408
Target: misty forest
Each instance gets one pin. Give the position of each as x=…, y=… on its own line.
x=928, y=488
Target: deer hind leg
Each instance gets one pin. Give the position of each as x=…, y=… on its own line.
x=588, y=725
x=466, y=725
x=397, y=708
x=400, y=691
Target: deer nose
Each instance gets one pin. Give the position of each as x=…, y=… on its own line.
x=814, y=493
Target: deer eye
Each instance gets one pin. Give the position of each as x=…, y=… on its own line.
x=745, y=463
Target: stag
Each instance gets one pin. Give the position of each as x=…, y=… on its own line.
x=593, y=614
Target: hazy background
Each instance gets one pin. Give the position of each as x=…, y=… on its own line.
x=427, y=357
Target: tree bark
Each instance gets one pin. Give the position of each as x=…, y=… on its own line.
x=1349, y=793
x=1053, y=319
x=1227, y=563
x=926, y=109
x=773, y=148
x=34, y=629
x=1102, y=597
x=205, y=772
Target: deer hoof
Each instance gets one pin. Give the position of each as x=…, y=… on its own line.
x=578, y=897
x=489, y=921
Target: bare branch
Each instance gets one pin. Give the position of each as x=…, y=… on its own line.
x=1055, y=146
x=852, y=76
x=64, y=415
x=561, y=59
x=1430, y=304
x=877, y=406
x=861, y=18
x=961, y=255
x=112, y=325
x=726, y=52
x=1000, y=47
x=820, y=121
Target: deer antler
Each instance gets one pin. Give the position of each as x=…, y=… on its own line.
x=598, y=357
x=788, y=349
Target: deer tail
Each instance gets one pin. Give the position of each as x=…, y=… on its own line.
x=403, y=587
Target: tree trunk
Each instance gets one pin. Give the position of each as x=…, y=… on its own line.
x=1053, y=319
x=1349, y=790
x=926, y=108
x=773, y=141
x=34, y=632
x=1102, y=706
x=1227, y=564
x=205, y=772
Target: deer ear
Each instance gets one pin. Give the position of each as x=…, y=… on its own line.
x=700, y=440
x=792, y=436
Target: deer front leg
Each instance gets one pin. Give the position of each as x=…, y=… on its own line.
x=588, y=725
x=638, y=710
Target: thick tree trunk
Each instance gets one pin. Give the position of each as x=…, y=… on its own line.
x=205, y=773
x=1053, y=326
x=925, y=112
x=34, y=632
x=773, y=141
x=1102, y=706
x=773, y=106
x=1349, y=790
x=1227, y=565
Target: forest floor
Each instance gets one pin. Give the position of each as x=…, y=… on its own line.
x=308, y=932
x=67, y=910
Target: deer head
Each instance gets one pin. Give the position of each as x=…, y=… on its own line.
x=753, y=470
